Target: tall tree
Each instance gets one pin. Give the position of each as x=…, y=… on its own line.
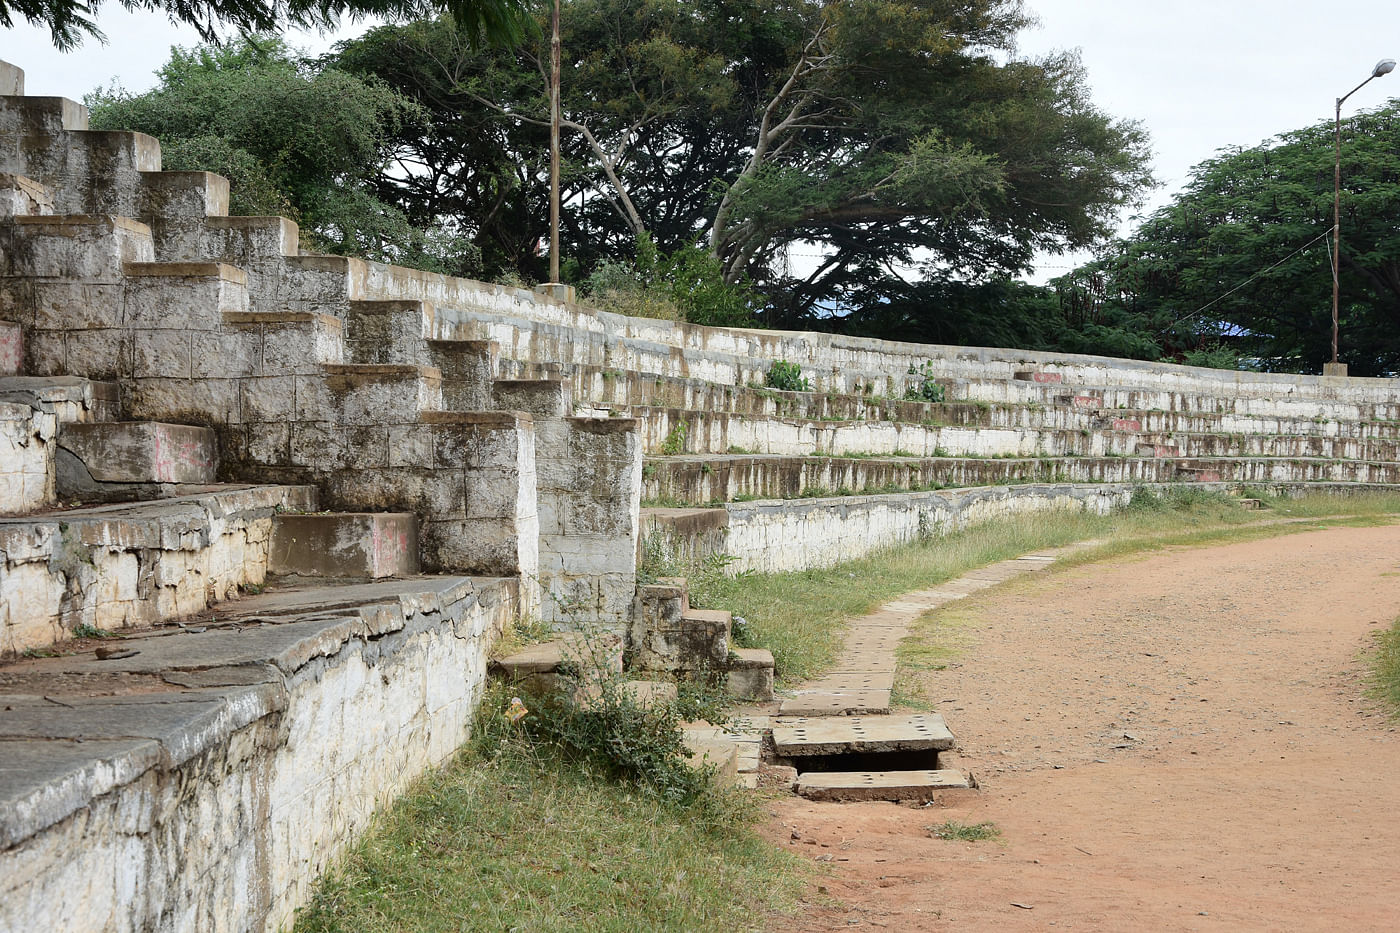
x=1242, y=255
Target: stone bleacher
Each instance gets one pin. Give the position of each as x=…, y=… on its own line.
x=193, y=409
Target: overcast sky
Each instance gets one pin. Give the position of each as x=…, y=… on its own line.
x=1199, y=74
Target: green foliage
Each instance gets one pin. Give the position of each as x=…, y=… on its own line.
x=786, y=377
x=1385, y=669
x=295, y=139
x=912, y=132
x=611, y=734
x=675, y=439
x=1241, y=257
x=686, y=286
x=91, y=631
x=928, y=388
x=999, y=313
x=1212, y=356
x=69, y=21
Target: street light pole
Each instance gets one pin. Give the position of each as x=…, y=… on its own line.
x=1383, y=67
x=554, y=148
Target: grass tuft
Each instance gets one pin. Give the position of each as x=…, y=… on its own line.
x=965, y=832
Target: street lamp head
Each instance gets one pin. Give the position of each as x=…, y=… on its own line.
x=1383, y=67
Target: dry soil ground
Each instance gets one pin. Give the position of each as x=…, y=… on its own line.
x=1174, y=742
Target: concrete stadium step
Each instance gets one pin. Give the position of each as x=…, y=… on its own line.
x=344, y=545
x=700, y=480
x=1108, y=399
x=115, y=567
x=120, y=460
x=71, y=399
x=21, y=196
x=272, y=688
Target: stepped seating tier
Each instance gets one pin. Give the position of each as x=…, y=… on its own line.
x=113, y=567
x=671, y=431
x=697, y=480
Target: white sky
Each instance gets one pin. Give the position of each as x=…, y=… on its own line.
x=1199, y=74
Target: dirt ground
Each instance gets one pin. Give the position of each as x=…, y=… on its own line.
x=1172, y=742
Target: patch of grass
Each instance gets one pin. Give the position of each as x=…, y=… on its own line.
x=512, y=835
x=92, y=631
x=964, y=832
x=1385, y=670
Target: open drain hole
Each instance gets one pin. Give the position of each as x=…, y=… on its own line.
x=924, y=760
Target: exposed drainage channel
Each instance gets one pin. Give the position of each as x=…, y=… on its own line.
x=836, y=731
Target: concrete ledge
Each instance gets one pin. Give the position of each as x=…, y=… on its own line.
x=230, y=766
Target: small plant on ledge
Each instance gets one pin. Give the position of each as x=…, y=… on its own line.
x=786, y=377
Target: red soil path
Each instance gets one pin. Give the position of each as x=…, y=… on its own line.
x=1173, y=742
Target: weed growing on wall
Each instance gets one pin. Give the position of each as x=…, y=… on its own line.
x=927, y=389
x=786, y=377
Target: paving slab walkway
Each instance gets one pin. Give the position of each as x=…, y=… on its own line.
x=860, y=681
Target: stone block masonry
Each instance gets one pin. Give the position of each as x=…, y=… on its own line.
x=120, y=566
x=589, y=488
x=237, y=763
x=26, y=458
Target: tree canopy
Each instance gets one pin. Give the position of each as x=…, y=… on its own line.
x=1242, y=256
x=69, y=21
x=878, y=133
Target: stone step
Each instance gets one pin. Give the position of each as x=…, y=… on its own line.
x=23, y=197
x=751, y=672
x=1040, y=376
x=99, y=455
x=648, y=693
x=344, y=545
x=571, y=662
x=1157, y=450
x=120, y=566
x=862, y=735
x=920, y=786
x=388, y=332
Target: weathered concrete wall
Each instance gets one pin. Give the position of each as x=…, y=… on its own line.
x=113, y=567
x=590, y=474
x=26, y=458
x=774, y=536
x=216, y=808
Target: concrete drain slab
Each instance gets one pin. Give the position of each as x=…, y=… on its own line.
x=879, y=785
x=845, y=682
x=862, y=734
x=880, y=639
x=845, y=703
